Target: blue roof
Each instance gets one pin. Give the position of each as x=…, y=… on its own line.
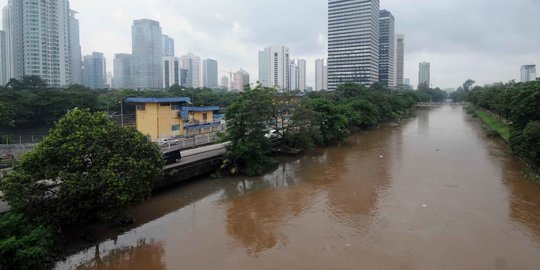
x=201, y=109
x=159, y=100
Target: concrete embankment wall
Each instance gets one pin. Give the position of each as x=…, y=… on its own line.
x=16, y=150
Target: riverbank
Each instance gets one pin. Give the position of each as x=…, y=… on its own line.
x=494, y=123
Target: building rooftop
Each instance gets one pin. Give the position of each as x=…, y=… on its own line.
x=159, y=100
x=201, y=109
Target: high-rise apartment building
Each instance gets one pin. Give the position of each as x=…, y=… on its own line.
x=94, y=71
x=168, y=46
x=192, y=64
x=147, y=54
x=528, y=73
x=171, y=71
x=75, y=49
x=225, y=83
x=387, y=48
x=3, y=61
x=240, y=80
x=38, y=40
x=294, y=77
x=424, y=74
x=353, y=42
x=302, y=75
x=210, y=73
x=274, y=67
x=320, y=75
x=400, y=59
x=122, y=71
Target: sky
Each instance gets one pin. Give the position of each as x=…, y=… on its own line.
x=484, y=40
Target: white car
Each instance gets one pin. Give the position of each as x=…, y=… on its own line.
x=167, y=142
x=273, y=134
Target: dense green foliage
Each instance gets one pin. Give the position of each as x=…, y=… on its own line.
x=519, y=103
x=321, y=118
x=20, y=107
x=24, y=245
x=246, y=121
x=86, y=169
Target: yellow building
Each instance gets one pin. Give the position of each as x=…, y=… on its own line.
x=163, y=118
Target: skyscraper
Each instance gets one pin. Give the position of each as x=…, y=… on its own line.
x=320, y=75
x=302, y=74
x=294, y=76
x=400, y=59
x=225, y=83
x=353, y=42
x=528, y=73
x=424, y=75
x=75, y=49
x=168, y=46
x=147, y=54
x=192, y=64
x=210, y=73
x=3, y=61
x=38, y=40
x=94, y=71
x=274, y=67
x=386, y=49
x=122, y=71
x=171, y=71
x=240, y=80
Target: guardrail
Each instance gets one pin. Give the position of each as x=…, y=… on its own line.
x=192, y=142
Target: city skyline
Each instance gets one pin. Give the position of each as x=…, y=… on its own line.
x=240, y=37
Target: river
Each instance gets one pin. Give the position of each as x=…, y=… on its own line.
x=432, y=192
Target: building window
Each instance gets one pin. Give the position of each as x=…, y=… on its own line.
x=175, y=127
x=205, y=117
x=175, y=107
x=141, y=107
x=165, y=104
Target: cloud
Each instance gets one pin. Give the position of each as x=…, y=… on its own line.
x=486, y=40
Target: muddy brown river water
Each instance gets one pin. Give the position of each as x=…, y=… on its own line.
x=433, y=192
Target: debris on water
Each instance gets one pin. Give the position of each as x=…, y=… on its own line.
x=438, y=150
x=424, y=205
x=381, y=156
x=452, y=186
x=348, y=245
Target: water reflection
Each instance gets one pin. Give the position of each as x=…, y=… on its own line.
x=144, y=255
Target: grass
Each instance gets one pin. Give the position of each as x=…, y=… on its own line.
x=494, y=124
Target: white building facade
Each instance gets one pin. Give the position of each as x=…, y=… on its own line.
x=171, y=71
x=528, y=73
x=192, y=64
x=274, y=67
x=210, y=73
x=424, y=74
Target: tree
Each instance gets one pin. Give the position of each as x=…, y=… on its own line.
x=467, y=86
x=24, y=245
x=333, y=123
x=33, y=83
x=15, y=84
x=86, y=169
x=7, y=115
x=527, y=142
x=247, y=118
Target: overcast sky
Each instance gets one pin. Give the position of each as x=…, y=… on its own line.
x=486, y=40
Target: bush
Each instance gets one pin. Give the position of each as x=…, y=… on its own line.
x=24, y=245
x=87, y=169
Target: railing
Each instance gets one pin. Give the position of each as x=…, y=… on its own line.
x=193, y=142
x=202, y=123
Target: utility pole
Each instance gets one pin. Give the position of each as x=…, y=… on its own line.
x=122, y=112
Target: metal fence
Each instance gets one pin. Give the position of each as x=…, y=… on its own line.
x=192, y=142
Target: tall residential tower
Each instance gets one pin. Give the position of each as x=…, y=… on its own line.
x=424, y=75
x=275, y=68
x=210, y=73
x=400, y=59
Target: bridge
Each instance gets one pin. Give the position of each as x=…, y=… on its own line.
x=437, y=104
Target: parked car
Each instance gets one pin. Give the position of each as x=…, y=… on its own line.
x=273, y=135
x=171, y=157
x=168, y=141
